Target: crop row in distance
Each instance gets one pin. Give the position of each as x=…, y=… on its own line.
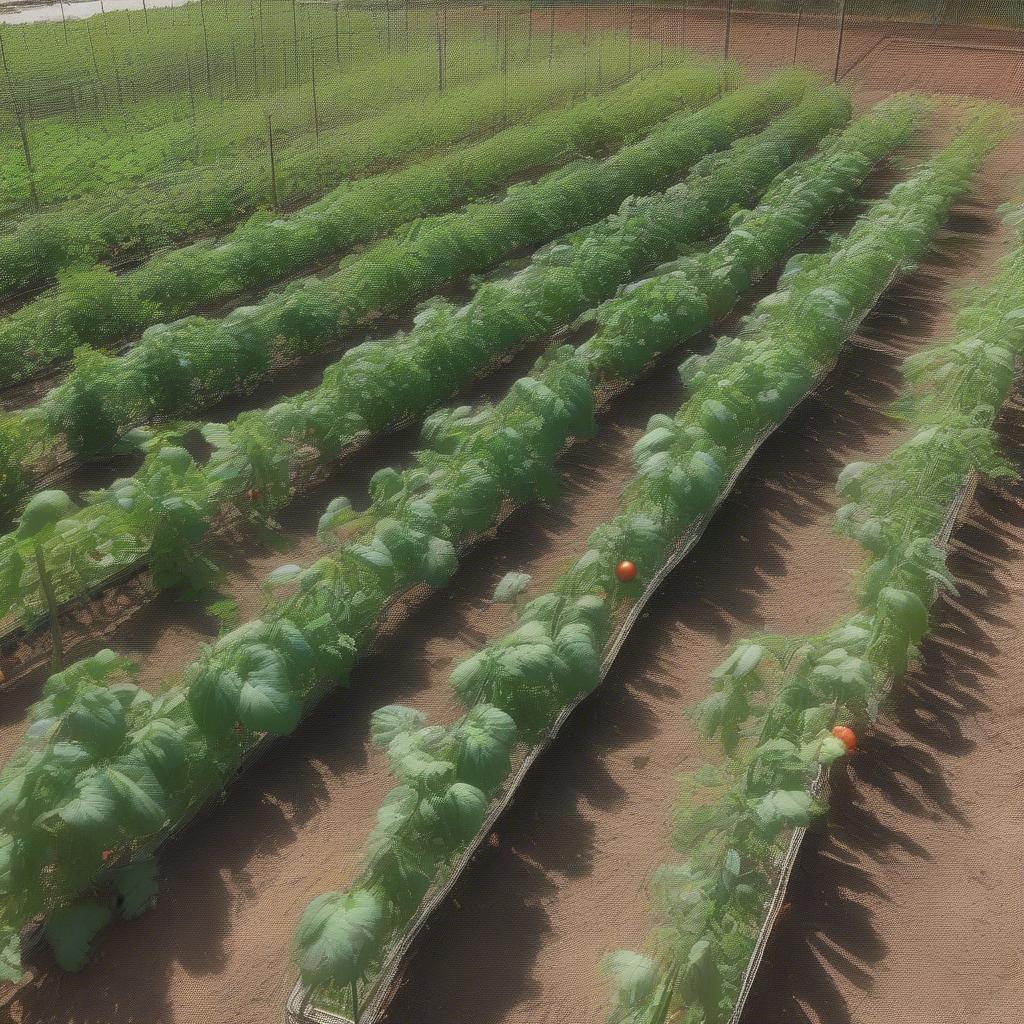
x=97, y=308
x=84, y=548
x=147, y=103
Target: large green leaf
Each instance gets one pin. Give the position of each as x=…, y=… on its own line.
x=510, y=586
x=141, y=800
x=469, y=677
x=264, y=707
x=337, y=937
x=784, y=808
x=439, y=562
x=462, y=810
x=93, y=810
x=635, y=977
x=44, y=510
x=578, y=647
x=213, y=692
x=97, y=718
x=415, y=758
x=394, y=720
x=484, y=740
x=70, y=931
x=10, y=955
x=162, y=747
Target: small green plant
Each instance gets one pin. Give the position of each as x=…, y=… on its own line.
x=38, y=523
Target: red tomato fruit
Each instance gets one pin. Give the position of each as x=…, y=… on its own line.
x=841, y=732
x=107, y=854
x=625, y=571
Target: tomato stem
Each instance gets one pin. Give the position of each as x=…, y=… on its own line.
x=51, y=604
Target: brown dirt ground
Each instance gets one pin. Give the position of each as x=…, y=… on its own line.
x=542, y=907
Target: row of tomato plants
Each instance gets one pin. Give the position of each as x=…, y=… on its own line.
x=175, y=369
x=516, y=687
x=140, y=218
x=105, y=768
x=168, y=507
x=95, y=307
x=781, y=707
x=180, y=367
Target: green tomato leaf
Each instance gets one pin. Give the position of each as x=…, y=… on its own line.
x=70, y=931
x=784, y=808
x=137, y=886
x=337, y=937
x=510, y=586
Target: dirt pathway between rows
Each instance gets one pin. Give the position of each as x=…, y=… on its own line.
x=565, y=881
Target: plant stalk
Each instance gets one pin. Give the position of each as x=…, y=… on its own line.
x=51, y=604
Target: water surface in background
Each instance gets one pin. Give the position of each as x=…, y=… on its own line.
x=17, y=14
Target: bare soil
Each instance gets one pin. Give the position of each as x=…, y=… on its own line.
x=566, y=879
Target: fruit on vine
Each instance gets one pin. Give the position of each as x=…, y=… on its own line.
x=625, y=571
x=847, y=735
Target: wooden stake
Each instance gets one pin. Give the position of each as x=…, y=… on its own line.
x=206, y=48
x=28, y=160
x=312, y=67
x=273, y=166
x=839, y=41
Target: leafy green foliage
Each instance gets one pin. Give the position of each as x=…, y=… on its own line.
x=96, y=308
x=337, y=937
x=372, y=114
x=259, y=458
x=322, y=616
x=179, y=366
x=422, y=825
x=511, y=586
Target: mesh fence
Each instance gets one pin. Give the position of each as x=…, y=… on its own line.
x=152, y=92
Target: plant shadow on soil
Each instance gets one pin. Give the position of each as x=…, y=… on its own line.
x=827, y=929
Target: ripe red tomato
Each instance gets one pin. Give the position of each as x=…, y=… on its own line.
x=107, y=854
x=847, y=735
x=625, y=571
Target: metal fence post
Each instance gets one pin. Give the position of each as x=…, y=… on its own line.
x=839, y=41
